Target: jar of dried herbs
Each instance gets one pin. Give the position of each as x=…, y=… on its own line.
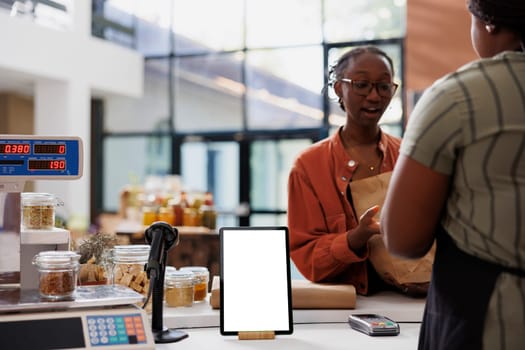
x=57, y=273
x=95, y=259
x=38, y=211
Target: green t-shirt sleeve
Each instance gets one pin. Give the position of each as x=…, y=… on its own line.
x=433, y=130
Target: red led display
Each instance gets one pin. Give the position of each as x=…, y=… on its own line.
x=59, y=148
x=15, y=148
x=59, y=164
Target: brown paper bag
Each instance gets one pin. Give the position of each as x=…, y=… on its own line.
x=410, y=275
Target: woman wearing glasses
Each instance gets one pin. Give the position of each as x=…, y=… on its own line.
x=464, y=152
x=328, y=242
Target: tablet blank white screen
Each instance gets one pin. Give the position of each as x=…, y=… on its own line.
x=255, y=280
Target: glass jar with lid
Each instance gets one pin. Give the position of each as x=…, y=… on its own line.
x=169, y=269
x=167, y=215
x=149, y=215
x=57, y=273
x=179, y=288
x=38, y=210
x=128, y=267
x=201, y=278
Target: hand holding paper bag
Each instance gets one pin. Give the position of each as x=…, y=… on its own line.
x=410, y=276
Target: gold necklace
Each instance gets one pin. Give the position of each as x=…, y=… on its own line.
x=373, y=168
x=369, y=167
x=357, y=150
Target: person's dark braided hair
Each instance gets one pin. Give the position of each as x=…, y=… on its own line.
x=509, y=14
x=337, y=71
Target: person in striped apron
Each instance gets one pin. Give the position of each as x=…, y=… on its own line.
x=460, y=180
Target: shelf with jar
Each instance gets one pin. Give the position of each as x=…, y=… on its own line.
x=188, y=211
x=126, y=227
x=180, y=212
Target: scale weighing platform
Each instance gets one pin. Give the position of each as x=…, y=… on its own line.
x=97, y=317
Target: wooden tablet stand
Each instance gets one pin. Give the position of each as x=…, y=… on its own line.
x=256, y=335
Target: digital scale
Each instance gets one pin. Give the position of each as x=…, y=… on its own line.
x=96, y=317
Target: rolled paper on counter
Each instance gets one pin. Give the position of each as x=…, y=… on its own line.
x=306, y=295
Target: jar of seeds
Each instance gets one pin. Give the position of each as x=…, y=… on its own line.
x=38, y=211
x=179, y=288
x=57, y=273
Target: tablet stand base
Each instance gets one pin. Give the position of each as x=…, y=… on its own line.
x=254, y=335
x=169, y=336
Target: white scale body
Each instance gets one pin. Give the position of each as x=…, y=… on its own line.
x=101, y=317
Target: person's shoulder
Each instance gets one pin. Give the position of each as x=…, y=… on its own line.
x=390, y=140
x=452, y=82
x=502, y=58
x=478, y=68
x=314, y=155
x=390, y=137
x=474, y=71
x=316, y=149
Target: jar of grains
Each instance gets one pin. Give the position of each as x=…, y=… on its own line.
x=57, y=273
x=200, y=281
x=128, y=267
x=38, y=210
x=179, y=288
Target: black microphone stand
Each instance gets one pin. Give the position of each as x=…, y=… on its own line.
x=161, y=236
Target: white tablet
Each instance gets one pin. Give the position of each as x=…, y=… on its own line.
x=255, y=280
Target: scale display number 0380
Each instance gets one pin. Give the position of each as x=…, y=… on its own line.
x=15, y=148
x=25, y=148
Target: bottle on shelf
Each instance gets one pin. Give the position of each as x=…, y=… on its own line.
x=178, y=207
x=209, y=214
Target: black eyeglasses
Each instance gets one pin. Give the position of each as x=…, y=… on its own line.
x=364, y=87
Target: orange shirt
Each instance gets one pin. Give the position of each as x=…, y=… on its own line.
x=320, y=214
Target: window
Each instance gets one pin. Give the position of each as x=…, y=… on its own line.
x=277, y=23
x=150, y=113
x=213, y=166
x=284, y=88
x=129, y=160
x=208, y=92
x=233, y=93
